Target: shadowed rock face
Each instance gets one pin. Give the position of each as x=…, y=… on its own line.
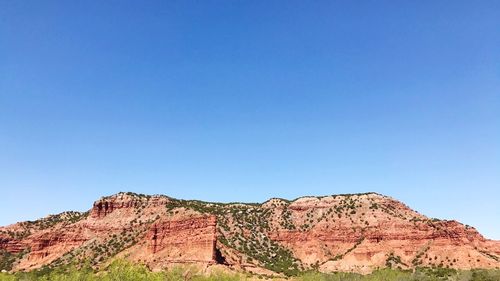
x=358, y=232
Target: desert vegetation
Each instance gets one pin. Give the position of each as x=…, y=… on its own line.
x=123, y=271
x=274, y=237
x=242, y=227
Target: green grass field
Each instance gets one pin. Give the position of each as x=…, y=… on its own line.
x=122, y=271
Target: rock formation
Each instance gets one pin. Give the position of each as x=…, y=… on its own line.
x=358, y=232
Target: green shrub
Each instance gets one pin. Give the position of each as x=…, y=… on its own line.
x=124, y=271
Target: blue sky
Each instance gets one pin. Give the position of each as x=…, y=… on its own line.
x=246, y=100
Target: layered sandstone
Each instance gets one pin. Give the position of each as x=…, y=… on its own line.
x=359, y=232
x=191, y=239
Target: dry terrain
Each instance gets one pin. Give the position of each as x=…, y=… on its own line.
x=351, y=233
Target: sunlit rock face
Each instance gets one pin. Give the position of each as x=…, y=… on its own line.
x=357, y=232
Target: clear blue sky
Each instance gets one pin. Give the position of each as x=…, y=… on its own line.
x=246, y=100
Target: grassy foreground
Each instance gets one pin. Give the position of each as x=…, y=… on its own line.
x=122, y=271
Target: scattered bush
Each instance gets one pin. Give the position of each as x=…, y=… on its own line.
x=123, y=271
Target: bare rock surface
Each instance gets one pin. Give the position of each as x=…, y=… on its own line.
x=355, y=232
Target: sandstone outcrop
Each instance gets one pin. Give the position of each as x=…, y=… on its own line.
x=358, y=232
x=187, y=240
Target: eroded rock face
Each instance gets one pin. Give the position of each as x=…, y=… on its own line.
x=189, y=239
x=357, y=232
x=373, y=231
x=48, y=246
x=199, y=233
x=107, y=205
x=11, y=245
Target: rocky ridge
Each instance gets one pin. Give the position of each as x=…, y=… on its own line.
x=354, y=232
